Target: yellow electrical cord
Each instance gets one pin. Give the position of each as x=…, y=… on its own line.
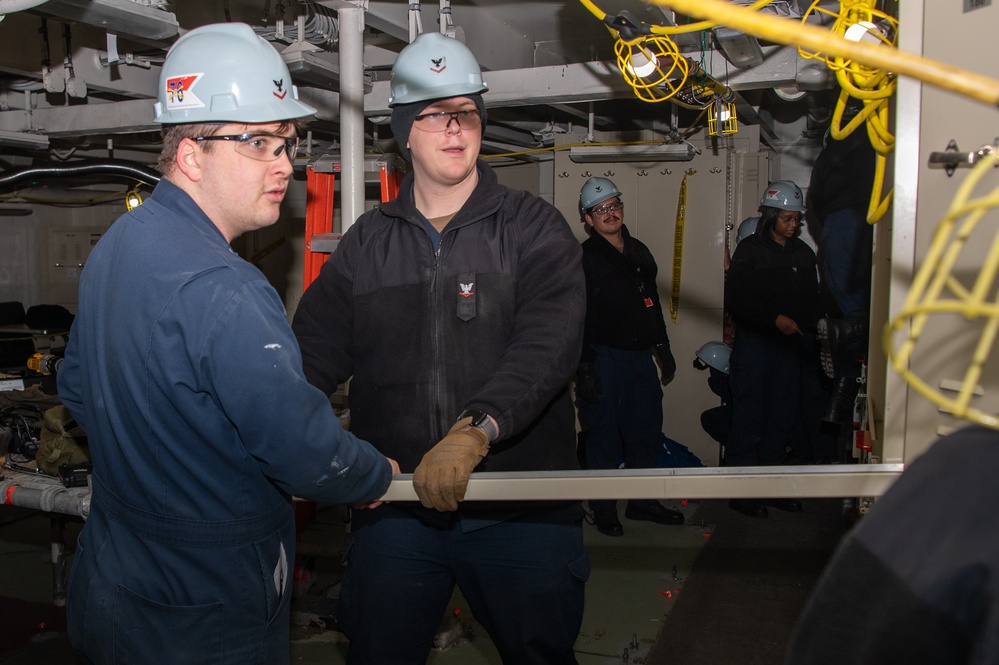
x=672, y=29
x=872, y=87
x=851, y=13
x=936, y=290
x=793, y=33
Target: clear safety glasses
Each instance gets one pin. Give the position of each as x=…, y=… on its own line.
x=262, y=147
x=606, y=209
x=441, y=120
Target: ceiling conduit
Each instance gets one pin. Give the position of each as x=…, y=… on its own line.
x=112, y=169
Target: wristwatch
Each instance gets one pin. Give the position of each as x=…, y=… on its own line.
x=481, y=420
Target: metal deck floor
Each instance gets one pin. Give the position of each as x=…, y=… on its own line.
x=722, y=588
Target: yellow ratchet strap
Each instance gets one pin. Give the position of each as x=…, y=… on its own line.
x=681, y=215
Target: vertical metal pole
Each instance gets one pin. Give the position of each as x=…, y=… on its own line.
x=351, y=113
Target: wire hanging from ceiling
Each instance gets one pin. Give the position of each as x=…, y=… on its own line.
x=321, y=27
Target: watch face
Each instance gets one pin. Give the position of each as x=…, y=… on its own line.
x=478, y=417
x=480, y=420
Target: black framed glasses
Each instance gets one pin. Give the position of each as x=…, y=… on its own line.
x=439, y=121
x=607, y=208
x=262, y=147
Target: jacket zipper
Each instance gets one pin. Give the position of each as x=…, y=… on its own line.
x=436, y=416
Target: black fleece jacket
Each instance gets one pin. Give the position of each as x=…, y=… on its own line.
x=617, y=285
x=767, y=279
x=492, y=321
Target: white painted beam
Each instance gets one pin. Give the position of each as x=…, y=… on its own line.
x=688, y=483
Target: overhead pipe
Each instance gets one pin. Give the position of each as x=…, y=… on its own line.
x=351, y=113
x=116, y=168
x=415, y=20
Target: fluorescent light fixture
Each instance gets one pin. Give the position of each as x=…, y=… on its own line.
x=123, y=17
x=307, y=65
x=741, y=49
x=24, y=140
x=672, y=152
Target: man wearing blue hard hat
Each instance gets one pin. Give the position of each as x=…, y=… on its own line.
x=624, y=339
x=183, y=370
x=456, y=312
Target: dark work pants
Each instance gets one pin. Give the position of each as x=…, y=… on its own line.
x=845, y=263
x=765, y=378
x=846, y=243
x=523, y=580
x=626, y=424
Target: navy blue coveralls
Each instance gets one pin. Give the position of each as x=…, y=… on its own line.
x=183, y=370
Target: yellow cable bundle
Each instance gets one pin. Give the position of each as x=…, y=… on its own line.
x=850, y=21
x=936, y=290
x=670, y=29
x=652, y=66
x=859, y=20
x=793, y=33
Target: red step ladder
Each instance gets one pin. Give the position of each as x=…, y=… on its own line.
x=320, y=241
x=320, y=180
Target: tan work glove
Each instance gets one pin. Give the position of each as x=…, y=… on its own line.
x=442, y=476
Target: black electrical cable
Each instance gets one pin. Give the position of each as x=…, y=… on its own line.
x=112, y=168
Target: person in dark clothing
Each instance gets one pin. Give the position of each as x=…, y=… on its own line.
x=456, y=311
x=714, y=357
x=915, y=580
x=839, y=196
x=618, y=389
x=772, y=293
x=187, y=379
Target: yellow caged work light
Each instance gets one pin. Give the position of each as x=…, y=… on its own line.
x=941, y=289
x=652, y=66
x=132, y=199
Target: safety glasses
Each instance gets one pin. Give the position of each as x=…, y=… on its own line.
x=261, y=147
x=441, y=120
x=606, y=209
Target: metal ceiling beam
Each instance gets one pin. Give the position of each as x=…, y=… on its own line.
x=127, y=117
x=120, y=79
x=528, y=87
x=595, y=81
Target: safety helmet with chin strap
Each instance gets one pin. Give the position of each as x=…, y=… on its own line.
x=434, y=66
x=223, y=73
x=785, y=195
x=713, y=354
x=595, y=190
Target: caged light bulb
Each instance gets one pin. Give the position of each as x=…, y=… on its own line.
x=642, y=63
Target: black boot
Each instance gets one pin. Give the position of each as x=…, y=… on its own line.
x=842, y=400
x=749, y=507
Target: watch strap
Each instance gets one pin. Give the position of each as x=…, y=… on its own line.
x=481, y=420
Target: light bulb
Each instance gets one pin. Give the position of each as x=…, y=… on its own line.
x=642, y=63
x=862, y=31
x=132, y=200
